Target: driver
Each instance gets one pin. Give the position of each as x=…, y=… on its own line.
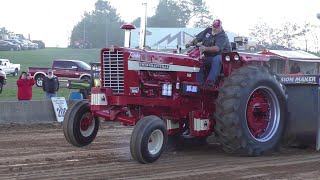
x=213, y=41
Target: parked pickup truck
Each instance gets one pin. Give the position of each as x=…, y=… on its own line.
x=3, y=79
x=64, y=70
x=8, y=67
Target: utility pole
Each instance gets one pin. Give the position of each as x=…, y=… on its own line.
x=107, y=31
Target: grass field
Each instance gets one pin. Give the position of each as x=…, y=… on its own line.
x=42, y=58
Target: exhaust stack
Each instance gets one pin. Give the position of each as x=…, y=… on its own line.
x=143, y=27
x=127, y=34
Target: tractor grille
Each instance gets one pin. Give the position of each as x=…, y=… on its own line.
x=113, y=71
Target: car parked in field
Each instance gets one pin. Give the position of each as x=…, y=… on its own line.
x=9, y=68
x=3, y=79
x=64, y=70
x=15, y=41
x=24, y=45
x=41, y=44
x=243, y=44
x=8, y=46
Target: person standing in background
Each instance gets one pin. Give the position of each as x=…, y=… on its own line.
x=295, y=69
x=25, y=83
x=50, y=85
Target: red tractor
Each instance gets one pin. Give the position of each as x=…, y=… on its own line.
x=158, y=93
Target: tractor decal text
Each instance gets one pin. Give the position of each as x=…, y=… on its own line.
x=134, y=56
x=138, y=65
x=299, y=79
x=160, y=66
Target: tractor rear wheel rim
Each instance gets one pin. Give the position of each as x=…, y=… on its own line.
x=155, y=142
x=263, y=114
x=87, y=125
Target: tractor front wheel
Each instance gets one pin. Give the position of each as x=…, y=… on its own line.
x=79, y=127
x=148, y=139
x=250, y=115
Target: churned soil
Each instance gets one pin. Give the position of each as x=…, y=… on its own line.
x=41, y=152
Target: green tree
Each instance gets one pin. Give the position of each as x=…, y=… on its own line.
x=200, y=14
x=286, y=35
x=260, y=32
x=3, y=30
x=170, y=13
x=101, y=27
x=137, y=22
x=178, y=14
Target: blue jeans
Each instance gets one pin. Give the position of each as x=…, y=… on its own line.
x=49, y=95
x=215, y=64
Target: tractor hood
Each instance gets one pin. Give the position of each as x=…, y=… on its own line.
x=158, y=61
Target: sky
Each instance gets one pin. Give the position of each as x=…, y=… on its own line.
x=52, y=20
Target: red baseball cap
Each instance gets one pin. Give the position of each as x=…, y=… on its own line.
x=216, y=24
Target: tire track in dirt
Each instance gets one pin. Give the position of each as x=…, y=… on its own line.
x=41, y=152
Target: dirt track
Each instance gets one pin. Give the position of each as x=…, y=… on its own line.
x=41, y=152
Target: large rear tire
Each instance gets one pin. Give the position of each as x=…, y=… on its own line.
x=79, y=127
x=148, y=139
x=250, y=112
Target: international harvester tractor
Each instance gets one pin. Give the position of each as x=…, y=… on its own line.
x=157, y=92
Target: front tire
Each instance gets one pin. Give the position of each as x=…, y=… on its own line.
x=79, y=128
x=148, y=139
x=15, y=73
x=250, y=115
x=39, y=80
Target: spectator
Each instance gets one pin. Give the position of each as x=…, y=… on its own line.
x=295, y=69
x=25, y=83
x=50, y=85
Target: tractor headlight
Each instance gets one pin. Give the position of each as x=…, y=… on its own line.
x=167, y=90
x=227, y=58
x=236, y=57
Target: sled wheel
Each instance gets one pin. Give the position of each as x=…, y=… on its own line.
x=79, y=127
x=148, y=139
x=250, y=112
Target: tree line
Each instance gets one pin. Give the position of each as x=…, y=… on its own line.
x=100, y=27
x=288, y=34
